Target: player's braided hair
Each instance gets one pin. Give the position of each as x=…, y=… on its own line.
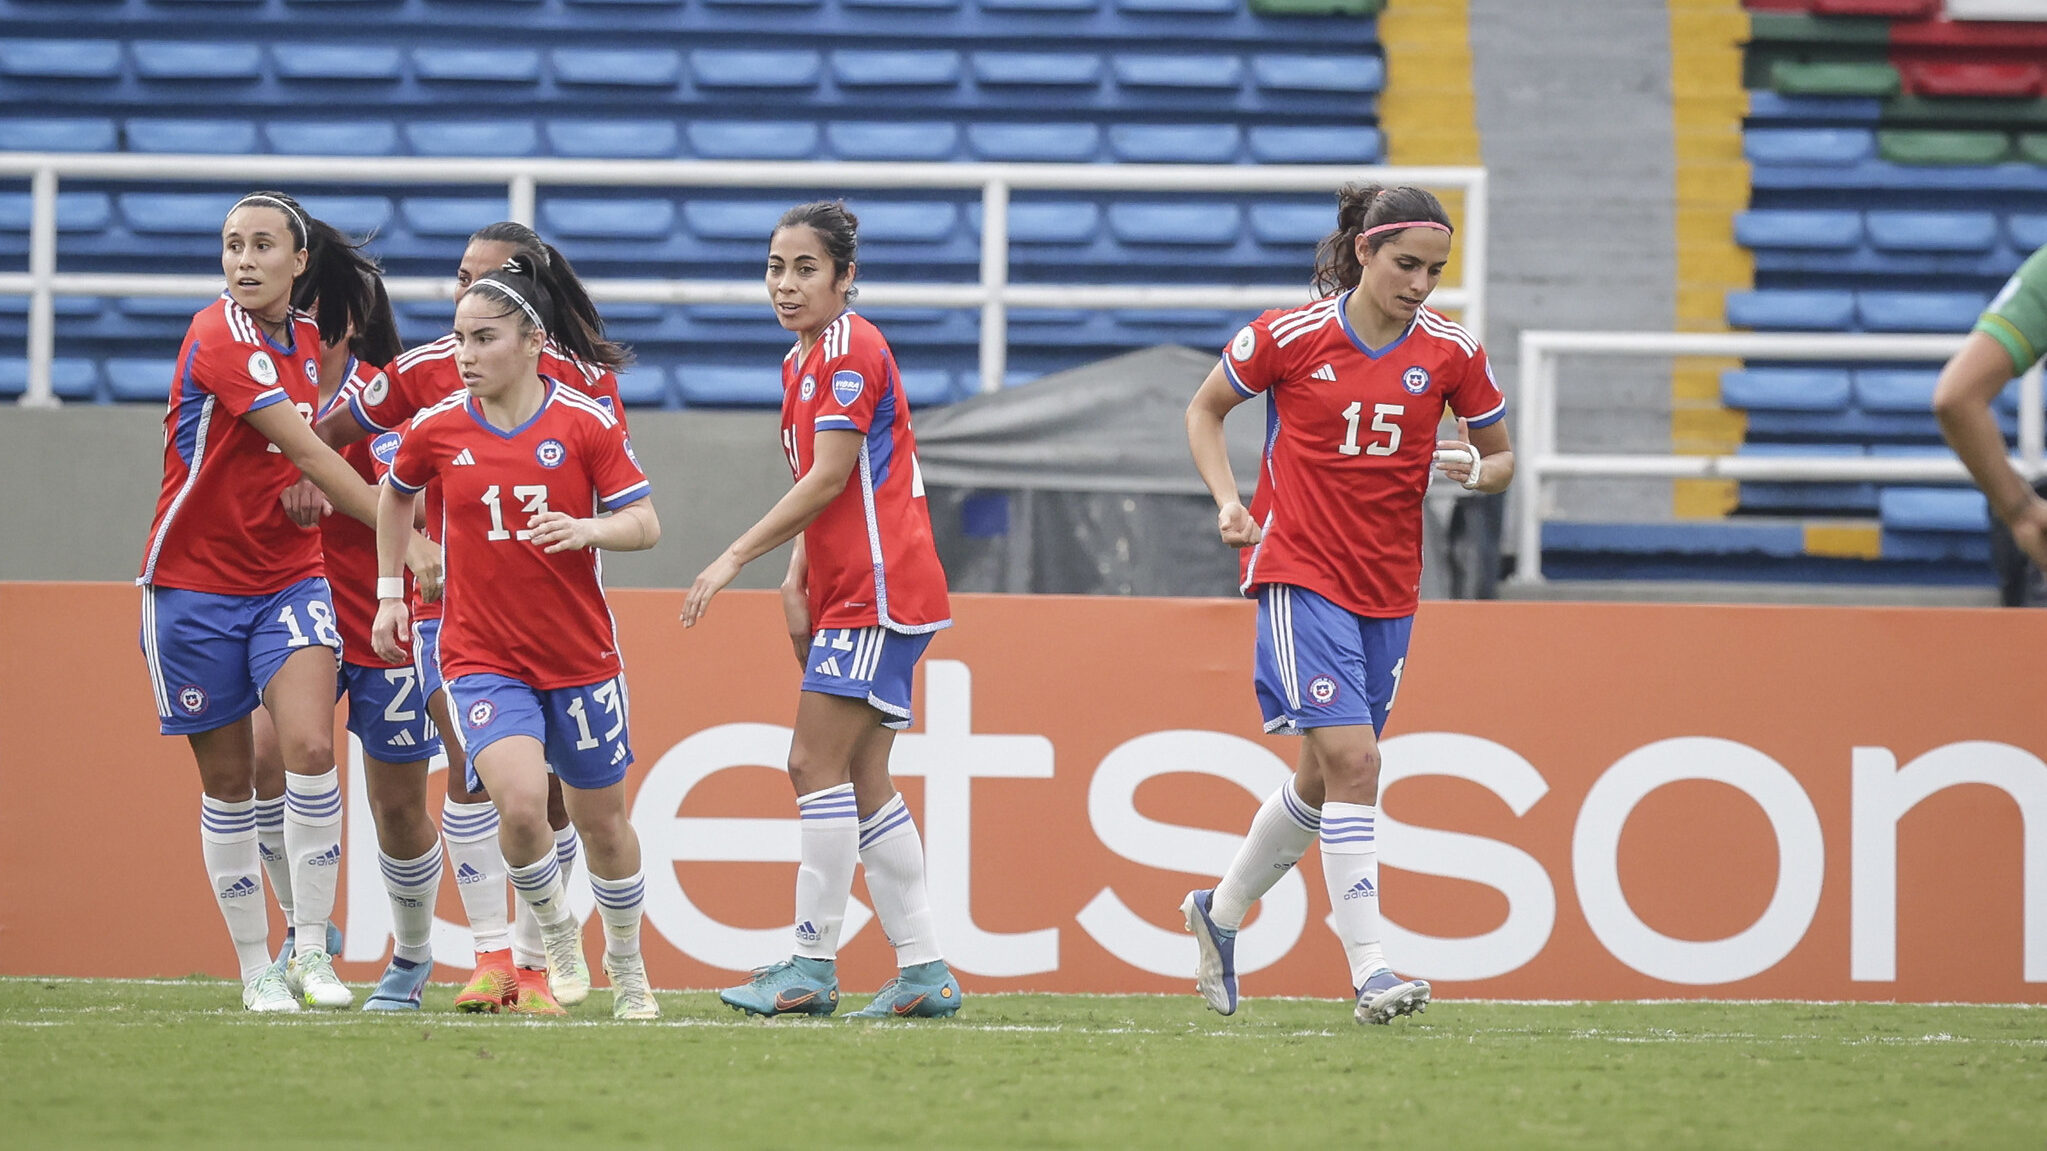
x=1359, y=208
x=335, y=285
x=837, y=229
x=577, y=328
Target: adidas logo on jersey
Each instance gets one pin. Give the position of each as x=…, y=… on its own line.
x=404, y=739
x=461, y=458
x=1326, y=372
x=1361, y=890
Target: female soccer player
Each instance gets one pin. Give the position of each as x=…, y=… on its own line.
x=235, y=612
x=527, y=644
x=1355, y=384
x=2008, y=340
x=510, y=970
x=863, y=595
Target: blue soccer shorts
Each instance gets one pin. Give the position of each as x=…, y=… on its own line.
x=582, y=730
x=211, y=656
x=426, y=656
x=388, y=714
x=867, y=663
x=1320, y=665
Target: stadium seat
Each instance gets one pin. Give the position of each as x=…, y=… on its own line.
x=133, y=380
x=643, y=386
x=473, y=137
x=1785, y=389
x=717, y=385
x=749, y=68
x=1780, y=309
x=912, y=221
x=1987, y=80
x=1174, y=143
x=336, y=62
x=357, y=216
x=1023, y=143
x=61, y=59
x=499, y=66
x=2031, y=148
x=1916, y=311
x=1836, y=146
x=1765, y=105
x=176, y=213
x=623, y=3
x=1301, y=144
x=191, y=136
x=1169, y=222
x=752, y=220
x=636, y=219
x=76, y=211
x=1895, y=389
x=1038, y=69
x=1799, y=228
x=1316, y=7
x=1319, y=73
x=1039, y=5
x=1047, y=221
x=68, y=134
x=929, y=388
x=752, y=139
x=893, y=140
x=1291, y=224
x=180, y=308
x=70, y=379
x=1179, y=71
x=196, y=60
x=1933, y=510
x=1181, y=7
x=1834, y=78
x=873, y=68
x=1894, y=231
x=765, y=3
x=613, y=139
x=617, y=67
x=933, y=5
x=450, y=216
x=1940, y=146
x=2028, y=232
x=332, y=138
x=1891, y=9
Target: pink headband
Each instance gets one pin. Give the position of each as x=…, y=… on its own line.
x=1406, y=224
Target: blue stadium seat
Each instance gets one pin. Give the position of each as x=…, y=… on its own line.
x=196, y=60
x=2028, y=232
x=621, y=3
x=61, y=59
x=503, y=66
x=615, y=139
x=176, y=213
x=450, y=215
x=765, y=3
x=913, y=221
x=1783, y=309
x=718, y=385
x=1291, y=223
x=1024, y=143
x=68, y=134
x=1809, y=146
x=1785, y=389
x=1038, y=69
x=191, y=136
x=1174, y=143
x=332, y=137
x=1883, y=176
x=140, y=380
x=1799, y=228
x=1933, y=510
x=893, y=140
x=1308, y=144
x=753, y=139
x=752, y=68
x=1318, y=73
x=179, y=308
x=70, y=379
x=1895, y=389
x=1913, y=311
x=1168, y=222
x=932, y=5
x=1046, y=222
x=1182, y=7
x=339, y=62
x=473, y=137
x=751, y=220
x=929, y=387
x=643, y=386
x=76, y=211
x=617, y=67
x=579, y=219
x=1179, y=71
x=1896, y=231
x=869, y=68
x=1830, y=498
x=357, y=216
x=1040, y=5
x=1767, y=105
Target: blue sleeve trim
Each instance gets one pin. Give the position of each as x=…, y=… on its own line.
x=362, y=416
x=264, y=400
x=836, y=424
x=409, y=489
x=1490, y=418
x=1230, y=374
x=638, y=491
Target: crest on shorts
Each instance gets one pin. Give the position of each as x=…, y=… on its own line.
x=262, y=368
x=807, y=388
x=1322, y=689
x=385, y=448
x=377, y=390
x=1245, y=343
x=192, y=698
x=1415, y=380
x=550, y=453
x=481, y=712
x=847, y=386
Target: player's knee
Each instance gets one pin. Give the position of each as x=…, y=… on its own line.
x=309, y=752
x=1356, y=768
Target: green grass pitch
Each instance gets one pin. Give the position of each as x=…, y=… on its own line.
x=177, y=1063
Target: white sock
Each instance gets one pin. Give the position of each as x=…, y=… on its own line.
x=471, y=832
x=412, y=885
x=312, y=841
x=270, y=848
x=1350, y=868
x=227, y=842
x=893, y=854
x=1280, y=834
x=620, y=903
x=567, y=847
x=539, y=885
x=526, y=949
x=830, y=835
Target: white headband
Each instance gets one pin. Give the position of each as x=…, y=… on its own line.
x=506, y=291
x=257, y=198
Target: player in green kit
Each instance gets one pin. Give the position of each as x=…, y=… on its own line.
x=2010, y=338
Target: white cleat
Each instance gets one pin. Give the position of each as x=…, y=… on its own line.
x=1386, y=997
x=631, y=998
x=568, y=973
x=311, y=975
x=267, y=993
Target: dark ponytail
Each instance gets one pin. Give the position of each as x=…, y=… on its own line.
x=837, y=229
x=1360, y=208
x=517, y=291
x=576, y=325
x=335, y=285
x=376, y=339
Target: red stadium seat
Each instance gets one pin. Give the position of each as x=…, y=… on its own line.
x=1895, y=9
x=2014, y=81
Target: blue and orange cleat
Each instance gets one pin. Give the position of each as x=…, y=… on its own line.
x=1386, y=997
x=926, y=991
x=795, y=986
x=1215, y=972
x=401, y=986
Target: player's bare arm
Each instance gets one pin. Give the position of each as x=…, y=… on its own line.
x=632, y=528
x=796, y=601
x=837, y=452
x=1961, y=401
x=393, y=626
x=1212, y=402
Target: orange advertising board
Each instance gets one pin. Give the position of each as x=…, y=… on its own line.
x=1584, y=801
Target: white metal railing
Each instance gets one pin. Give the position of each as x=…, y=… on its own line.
x=1537, y=458
x=993, y=294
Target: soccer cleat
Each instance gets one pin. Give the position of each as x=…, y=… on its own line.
x=1215, y=973
x=493, y=986
x=312, y=976
x=795, y=986
x=334, y=942
x=267, y=993
x=530, y=995
x=926, y=991
x=568, y=973
x=1386, y=996
x=400, y=988
x=631, y=998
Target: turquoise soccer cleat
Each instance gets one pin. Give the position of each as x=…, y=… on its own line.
x=795, y=986
x=1215, y=969
x=1386, y=996
x=926, y=991
x=334, y=941
x=401, y=986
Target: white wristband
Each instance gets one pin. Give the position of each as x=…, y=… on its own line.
x=390, y=587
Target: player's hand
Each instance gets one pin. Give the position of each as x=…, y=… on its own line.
x=423, y=560
x=305, y=503
x=1458, y=460
x=558, y=532
x=709, y=582
x=392, y=631
x=796, y=610
x=2029, y=531
x=1236, y=526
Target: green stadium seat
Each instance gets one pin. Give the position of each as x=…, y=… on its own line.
x=1024, y=143
x=752, y=139
x=336, y=62
x=2032, y=148
x=1785, y=389
x=1312, y=144
x=1180, y=224
x=196, y=60
x=1317, y=7
x=637, y=219
x=1902, y=231
x=332, y=138
x=65, y=134
x=473, y=137
x=61, y=59
x=613, y=139
x=1038, y=69
x=1319, y=73
x=1834, y=78
x=1933, y=146
x=1174, y=143
x=1825, y=229
x=617, y=67
x=893, y=140
x=755, y=68
x=877, y=68
x=1191, y=72
x=191, y=136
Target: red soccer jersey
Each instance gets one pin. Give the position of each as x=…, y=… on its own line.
x=349, y=546
x=513, y=609
x=219, y=525
x=1350, y=439
x=872, y=560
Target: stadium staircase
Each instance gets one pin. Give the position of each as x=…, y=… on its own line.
x=1080, y=81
